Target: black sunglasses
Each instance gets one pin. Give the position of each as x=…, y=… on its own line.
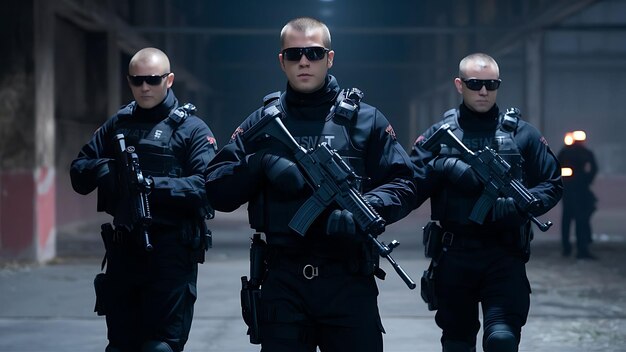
x=312, y=53
x=151, y=80
x=477, y=84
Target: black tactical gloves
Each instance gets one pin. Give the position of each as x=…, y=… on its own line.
x=459, y=173
x=106, y=177
x=108, y=194
x=281, y=172
x=505, y=211
x=374, y=201
x=341, y=223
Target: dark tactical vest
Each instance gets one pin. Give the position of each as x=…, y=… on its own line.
x=449, y=205
x=349, y=133
x=154, y=147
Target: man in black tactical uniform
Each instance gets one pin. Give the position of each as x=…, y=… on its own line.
x=484, y=263
x=319, y=289
x=148, y=296
x=579, y=202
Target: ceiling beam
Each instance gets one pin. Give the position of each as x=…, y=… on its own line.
x=241, y=31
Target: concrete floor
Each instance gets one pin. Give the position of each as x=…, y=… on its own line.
x=576, y=306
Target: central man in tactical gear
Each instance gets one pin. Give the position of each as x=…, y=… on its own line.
x=319, y=288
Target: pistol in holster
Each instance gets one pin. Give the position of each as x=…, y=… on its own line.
x=251, y=288
x=433, y=248
x=204, y=238
x=100, y=282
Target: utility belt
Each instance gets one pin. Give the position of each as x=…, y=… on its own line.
x=309, y=268
x=452, y=235
x=302, y=262
x=193, y=234
x=437, y=240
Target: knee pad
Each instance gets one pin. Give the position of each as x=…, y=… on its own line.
x=500, y=339
x=156, y=346
x=457, y=346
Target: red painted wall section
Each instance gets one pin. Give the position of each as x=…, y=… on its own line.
x=17, y=207
x=27, y=215
x=45, y=206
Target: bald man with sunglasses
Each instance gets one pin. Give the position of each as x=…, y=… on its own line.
x=482, y=263
x=149, y=289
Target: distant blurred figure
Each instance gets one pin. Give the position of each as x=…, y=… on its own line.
x=578, y=171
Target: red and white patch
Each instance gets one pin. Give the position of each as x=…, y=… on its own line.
x=391, y=132
x=419, y=140
x=543, y=140
x=211, y=140
x=239, y=130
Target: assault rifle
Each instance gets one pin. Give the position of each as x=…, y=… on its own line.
x=332, y=180
x=494, y=172
x=135, y=187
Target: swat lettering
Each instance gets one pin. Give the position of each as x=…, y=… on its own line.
x=481, y=142
x=134, y=135
x=310, y=142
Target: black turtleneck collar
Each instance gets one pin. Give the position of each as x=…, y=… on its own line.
x=160, y=111
x=472, y=120
x=326, y=94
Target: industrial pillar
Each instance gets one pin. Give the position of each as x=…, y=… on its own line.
x=534, y=83
x=27, y=172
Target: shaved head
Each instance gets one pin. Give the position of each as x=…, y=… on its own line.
x=149, y=57
x=305, y=25
x=477, y=62
x=477, y=66
x=150, y=62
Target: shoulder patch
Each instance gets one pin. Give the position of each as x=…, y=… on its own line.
x=212, y=142
x=238, y=131
x=391, y=132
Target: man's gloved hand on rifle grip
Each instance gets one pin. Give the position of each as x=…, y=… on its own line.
x=505, y=211
x=341, y=223
x=281, y=172
x=459, y=173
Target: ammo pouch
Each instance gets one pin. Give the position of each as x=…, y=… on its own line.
x=432, y=239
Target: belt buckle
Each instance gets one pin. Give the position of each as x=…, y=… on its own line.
x=312, y=269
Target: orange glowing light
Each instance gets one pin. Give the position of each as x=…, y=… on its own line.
x=566, y=171
x=579, y=136
x=569, y=138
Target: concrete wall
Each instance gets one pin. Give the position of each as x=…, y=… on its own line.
x=27, y=169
